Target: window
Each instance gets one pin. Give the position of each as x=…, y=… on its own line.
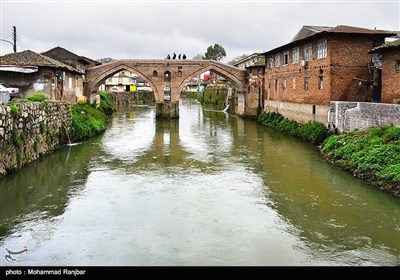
x=270, y=62
x=306, y=83
x=109, y=80
x=276, y=85
x=277, y=60
x=321, y=49
x=285, y=57
x=155, y=73
x=284, y=84
x=167, y=76
x=70, y=82
x=321, y=81
x=295, y=55
x=179, y=73
x=308, y=52
x=294, y=83
x=398, y=65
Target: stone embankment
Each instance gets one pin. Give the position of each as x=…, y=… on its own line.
x=31, y=130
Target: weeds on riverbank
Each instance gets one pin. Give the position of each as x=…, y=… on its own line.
x=88, y=121
x=372, y=155
x=313, y=132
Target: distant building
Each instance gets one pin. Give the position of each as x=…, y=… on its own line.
x=32, y=72
x=254, y=98
x=120, y=82
x=248, y=60
x=320, y=64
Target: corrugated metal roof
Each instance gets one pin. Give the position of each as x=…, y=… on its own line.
x=19, y=69
x=30, y=58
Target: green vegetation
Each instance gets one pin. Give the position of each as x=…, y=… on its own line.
x=14, y=111
x=216, y=52
x=36, y=97
x=372, y=155
x=107, y=105
x=88, y=121
x=42, y=127
x=18, y=139
x=214, y=98
x=313, y=132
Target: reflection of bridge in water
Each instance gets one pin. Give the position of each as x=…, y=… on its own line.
x=167, y=78
x=170, y=143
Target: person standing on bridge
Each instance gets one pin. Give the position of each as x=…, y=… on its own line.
x=174, y=56
x=184, y=56
x=168, y=56
x=179, y=56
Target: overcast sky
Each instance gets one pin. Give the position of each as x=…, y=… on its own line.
x=152, y=29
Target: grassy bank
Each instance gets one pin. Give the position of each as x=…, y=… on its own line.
x=88, y=121
x=372, y=155
x=313, y=132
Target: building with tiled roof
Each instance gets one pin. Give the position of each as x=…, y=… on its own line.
x=33, y=72
x=387, y=70
x=321, y=64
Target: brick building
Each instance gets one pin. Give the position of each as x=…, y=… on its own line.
x=387, y=71
x=320, y=64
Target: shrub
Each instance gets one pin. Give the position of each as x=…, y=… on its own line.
x=313, y=132
x=36, y=97
x=87, y=121
x=14, y=111
x=106, y=104
x=373, y=155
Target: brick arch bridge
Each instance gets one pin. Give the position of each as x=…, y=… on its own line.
x=162, y=74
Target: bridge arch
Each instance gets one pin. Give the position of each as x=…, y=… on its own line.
x=164, y=73
x=102, y=76
x=214, y=68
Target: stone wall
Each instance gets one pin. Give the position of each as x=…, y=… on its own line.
x=345, y=116
x=30, y=130
x=138, y=97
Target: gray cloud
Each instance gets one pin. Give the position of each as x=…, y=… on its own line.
x=140, y=29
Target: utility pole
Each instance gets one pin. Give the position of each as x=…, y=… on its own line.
x=14, y=34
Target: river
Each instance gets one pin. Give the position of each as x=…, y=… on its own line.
x=207, y=189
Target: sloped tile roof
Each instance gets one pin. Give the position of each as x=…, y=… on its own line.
x=394, y=45
x=30, y=58
x=307, y=32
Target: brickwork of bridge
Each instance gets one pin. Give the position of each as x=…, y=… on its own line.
x=166, y=77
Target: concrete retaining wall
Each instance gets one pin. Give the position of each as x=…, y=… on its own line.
x=30, y=130
x=344, y=116
x=299, y=112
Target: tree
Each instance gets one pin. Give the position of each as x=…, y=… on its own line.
x=215, y=52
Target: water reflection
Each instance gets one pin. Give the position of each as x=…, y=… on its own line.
x=207, y=189
x=42, y=189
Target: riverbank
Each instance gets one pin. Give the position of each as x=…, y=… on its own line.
x=372, y=155
x=88, y=121
x=34, y=127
